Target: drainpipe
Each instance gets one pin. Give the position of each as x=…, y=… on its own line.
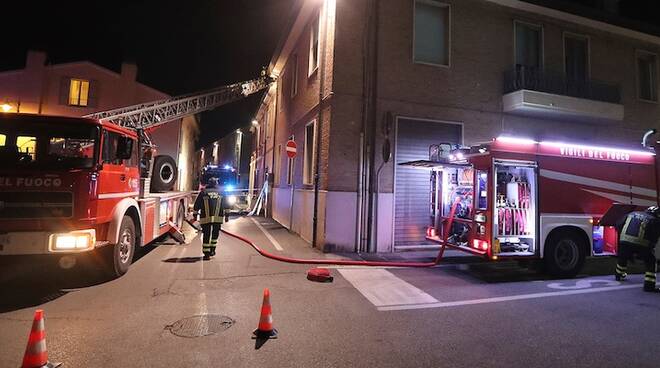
x=372, y=125
x=317, y=158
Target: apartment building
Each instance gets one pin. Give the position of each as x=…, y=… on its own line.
x=81, y=88
x=354, y=76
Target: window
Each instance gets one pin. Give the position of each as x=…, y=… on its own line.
x=431, y=34
x=294, y=75
x=28, y=146
x=529, y=49
x=310, y=152
x=78, y=92
x=314, y=47
x=109, y=152
x=647, y=76
x=576, y=58
x=289, y=171
x=3, y=140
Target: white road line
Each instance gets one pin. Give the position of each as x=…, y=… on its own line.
x=383, y=289
x=270, y=237
x=505, y=298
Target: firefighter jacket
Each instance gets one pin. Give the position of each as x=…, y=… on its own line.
x=212, y=205
x=639, y=228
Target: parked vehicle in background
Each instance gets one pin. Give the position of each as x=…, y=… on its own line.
x=228, y=184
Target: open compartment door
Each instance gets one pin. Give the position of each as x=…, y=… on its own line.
x=605, y=237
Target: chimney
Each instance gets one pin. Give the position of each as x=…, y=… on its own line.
x=129, y=71
x=35, y=59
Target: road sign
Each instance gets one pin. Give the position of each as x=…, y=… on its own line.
x=291, y=149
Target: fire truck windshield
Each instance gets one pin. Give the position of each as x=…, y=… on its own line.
x=47, y=145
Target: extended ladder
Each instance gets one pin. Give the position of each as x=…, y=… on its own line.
x=149, y=115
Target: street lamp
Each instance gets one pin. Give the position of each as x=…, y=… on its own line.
x=255, y=122
x=6, y=107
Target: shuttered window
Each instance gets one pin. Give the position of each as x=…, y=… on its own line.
x=529, y=48
x=431, y=37
x=647, y=67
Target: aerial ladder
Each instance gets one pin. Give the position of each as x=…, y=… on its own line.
x=145, y=117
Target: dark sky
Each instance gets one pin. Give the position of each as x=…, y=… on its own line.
x=179, y=46
x=186, y=45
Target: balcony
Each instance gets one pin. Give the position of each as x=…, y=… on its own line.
x=536, y=93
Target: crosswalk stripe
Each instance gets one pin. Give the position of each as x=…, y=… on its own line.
x=382, y=288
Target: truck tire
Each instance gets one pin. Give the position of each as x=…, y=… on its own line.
x=119, y=256
x=164, y=174
x=180, y=215
x=564, y=253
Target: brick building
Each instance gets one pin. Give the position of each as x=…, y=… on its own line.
x=355, y=74
x=81, y=88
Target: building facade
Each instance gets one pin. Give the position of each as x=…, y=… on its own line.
x=82, y=88
x=355, y=76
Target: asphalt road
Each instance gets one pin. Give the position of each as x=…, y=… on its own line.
x=455, y=315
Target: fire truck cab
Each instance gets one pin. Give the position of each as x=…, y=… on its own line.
x=70, y=186
x=521, y=199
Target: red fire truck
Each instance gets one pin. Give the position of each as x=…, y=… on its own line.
x=79, y=187
x=523, y=199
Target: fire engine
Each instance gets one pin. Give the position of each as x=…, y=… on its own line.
x=72, y=187
x=516, y=198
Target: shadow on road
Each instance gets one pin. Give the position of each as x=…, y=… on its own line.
x=32, y=281
x=183, y=260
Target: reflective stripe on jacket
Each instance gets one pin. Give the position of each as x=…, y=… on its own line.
x=640, y=228
x=211, y=205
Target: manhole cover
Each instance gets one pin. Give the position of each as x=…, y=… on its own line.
x=202, y=325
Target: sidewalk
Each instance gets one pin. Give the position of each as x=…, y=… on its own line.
x=275, y=238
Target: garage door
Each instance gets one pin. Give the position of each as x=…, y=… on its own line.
x=411, y=187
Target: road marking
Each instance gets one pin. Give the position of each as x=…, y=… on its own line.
x=581, y=284
x=270, y=237
x=506, y=298
x=383, y=289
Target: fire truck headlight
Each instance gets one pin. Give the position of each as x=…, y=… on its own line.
x=231, y=200
x=74, y=241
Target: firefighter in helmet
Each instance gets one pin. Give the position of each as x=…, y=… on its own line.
x=212, y=207
x=638, y=234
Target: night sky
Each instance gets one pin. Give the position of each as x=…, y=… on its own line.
x=180, y=46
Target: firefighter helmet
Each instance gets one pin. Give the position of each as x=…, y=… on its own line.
x=212, y=183
x=654, y=210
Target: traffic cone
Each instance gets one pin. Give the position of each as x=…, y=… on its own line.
x=36, y=355
x=265, y=329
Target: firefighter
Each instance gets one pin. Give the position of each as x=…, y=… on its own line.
x=638, y=234
x=212, y=207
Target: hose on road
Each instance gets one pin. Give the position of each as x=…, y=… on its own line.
x=338, y=262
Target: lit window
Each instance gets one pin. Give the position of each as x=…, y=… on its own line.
x=78, y=92
x=314, y=47
x=3, y=139
x=310, y=152
x=27, y=146
x=431, y=37
x=647, y=76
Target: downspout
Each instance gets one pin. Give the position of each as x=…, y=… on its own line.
x=372, y=129
x=317, y=132
x=272, y=167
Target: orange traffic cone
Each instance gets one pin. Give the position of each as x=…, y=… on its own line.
x=36, y=355
x=265, y=329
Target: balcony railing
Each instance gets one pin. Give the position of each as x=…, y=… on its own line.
x=543, y=81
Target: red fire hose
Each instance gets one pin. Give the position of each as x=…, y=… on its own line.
x=351, y=262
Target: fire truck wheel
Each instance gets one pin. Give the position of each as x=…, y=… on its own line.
x=564, y=253
x=120, y=256
x=164, y=174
